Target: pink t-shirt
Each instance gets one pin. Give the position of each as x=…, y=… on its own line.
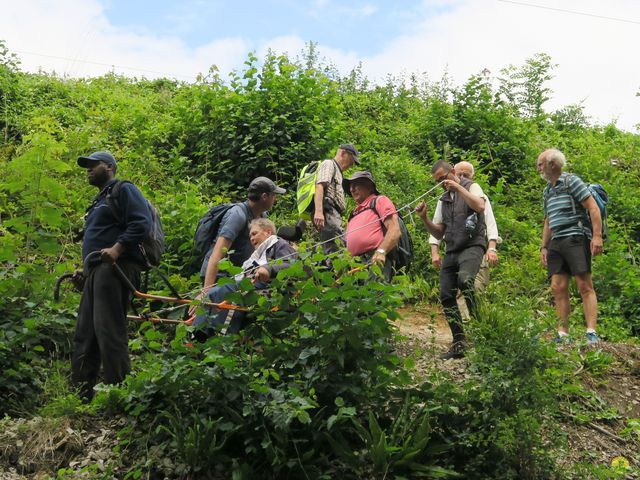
x=364, y=232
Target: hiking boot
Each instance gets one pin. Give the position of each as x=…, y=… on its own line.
x=592, y=338
x=455, y=351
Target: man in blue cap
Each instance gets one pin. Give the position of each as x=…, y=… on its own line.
x=101, y=329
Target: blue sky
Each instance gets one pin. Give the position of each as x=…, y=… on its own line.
x=360, y=26
x=594, y=43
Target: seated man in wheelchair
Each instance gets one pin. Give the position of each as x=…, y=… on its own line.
x=261, y=267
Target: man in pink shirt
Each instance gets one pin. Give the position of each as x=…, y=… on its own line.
x=373, y=230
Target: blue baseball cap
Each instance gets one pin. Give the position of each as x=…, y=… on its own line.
x=351, y=148
x=91, y=160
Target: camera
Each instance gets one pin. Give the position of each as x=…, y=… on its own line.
x=471, y=223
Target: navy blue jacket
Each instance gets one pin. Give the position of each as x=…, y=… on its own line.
x=102, y=230
x=280, y=249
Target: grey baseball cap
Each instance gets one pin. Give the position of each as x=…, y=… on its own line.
x=348, y=147
x=95, y=157
x=358, y=175
x=264, y=185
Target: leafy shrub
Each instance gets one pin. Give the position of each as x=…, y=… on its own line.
x=268, y=402
x=499, y=432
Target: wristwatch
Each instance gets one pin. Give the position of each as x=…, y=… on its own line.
x=492, y=250
x=381, y=251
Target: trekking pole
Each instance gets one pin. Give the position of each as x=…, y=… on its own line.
x=142, y=318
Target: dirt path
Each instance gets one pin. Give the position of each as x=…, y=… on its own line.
x=593, y=441
x=424, y=324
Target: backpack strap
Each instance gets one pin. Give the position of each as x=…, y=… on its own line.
x=371, y=206
x=247, y=214
x=336, y=167
x=113, y=200
x=548, y=192
x=566, y=185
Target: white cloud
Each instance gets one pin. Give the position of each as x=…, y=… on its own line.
x=76, y=39
x=363, y=11
x=596, y=56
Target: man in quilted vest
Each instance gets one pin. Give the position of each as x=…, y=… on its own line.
x=459, y=220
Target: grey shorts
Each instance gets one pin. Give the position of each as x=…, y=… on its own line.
x=569, y=255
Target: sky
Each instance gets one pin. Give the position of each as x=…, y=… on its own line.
x=594, y=43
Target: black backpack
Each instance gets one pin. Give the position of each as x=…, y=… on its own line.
x=207, y=231
x=404, y=250
x=152, y=247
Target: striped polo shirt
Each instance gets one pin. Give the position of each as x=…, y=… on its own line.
x=559, y=208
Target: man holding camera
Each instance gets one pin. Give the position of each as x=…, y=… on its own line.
x=459, y=220
x=466, y=170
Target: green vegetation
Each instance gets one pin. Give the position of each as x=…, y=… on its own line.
x=320, y=391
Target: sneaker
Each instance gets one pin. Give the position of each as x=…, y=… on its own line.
x=562, y=339
x=455, y=351
x=592, y=338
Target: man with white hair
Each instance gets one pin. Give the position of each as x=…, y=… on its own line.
x=569, y=240
x=465, y=170
x=262, y=267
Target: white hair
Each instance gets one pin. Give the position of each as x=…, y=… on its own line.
x=465, y=165
x=556, y=156
x=263, y=224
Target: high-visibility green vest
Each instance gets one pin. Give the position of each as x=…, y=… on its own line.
x=307, y=188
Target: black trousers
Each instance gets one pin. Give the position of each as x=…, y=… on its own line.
x=458, y=272
x=101, y=329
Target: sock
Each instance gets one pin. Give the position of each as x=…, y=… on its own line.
x=563, y=334
x=591, y=330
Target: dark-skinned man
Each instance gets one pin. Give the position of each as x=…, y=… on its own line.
x=459, y=219
x=101, y=329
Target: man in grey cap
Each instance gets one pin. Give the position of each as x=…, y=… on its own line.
x=329, y=198
x=101, y=329
x=233, y=232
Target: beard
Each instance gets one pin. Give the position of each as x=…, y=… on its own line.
x=99, y=179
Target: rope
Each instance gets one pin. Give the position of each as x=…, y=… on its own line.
x=377, y=220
